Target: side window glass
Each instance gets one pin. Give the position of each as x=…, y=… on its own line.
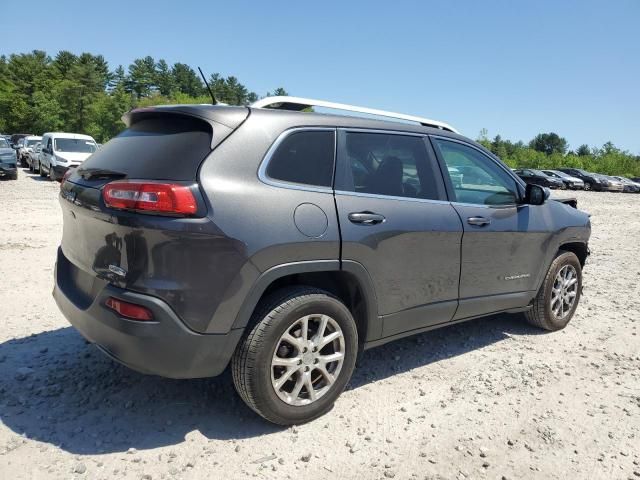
x=305, y=157
x=49, y=144
x=480, y=180
x=388, y=164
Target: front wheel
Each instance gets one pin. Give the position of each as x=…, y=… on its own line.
x=557, y=299
x=43, y=174
x=298, y=356
x=587, y=186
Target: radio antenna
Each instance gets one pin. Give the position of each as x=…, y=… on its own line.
x=213, y=98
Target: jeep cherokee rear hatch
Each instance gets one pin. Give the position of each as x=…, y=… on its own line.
x=134, y=216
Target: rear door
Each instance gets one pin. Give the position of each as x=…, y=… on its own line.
x=504, y=240
x=396, y=222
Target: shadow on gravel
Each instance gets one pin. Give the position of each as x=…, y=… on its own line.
x=36, y=176
x=56, y=388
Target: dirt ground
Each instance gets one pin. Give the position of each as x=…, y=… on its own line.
x=492, y=398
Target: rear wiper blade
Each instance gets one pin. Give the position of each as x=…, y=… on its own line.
x=94, y=173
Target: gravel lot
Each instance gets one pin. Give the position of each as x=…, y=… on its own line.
x=492, y=398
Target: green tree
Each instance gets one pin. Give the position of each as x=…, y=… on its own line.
x=583, y=150
x=164, y=78
x=142, y=75
x=187, y=80
x=549, y=143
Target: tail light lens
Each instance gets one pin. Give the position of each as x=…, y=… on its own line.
x=66, y=175
x=129, y=310
x=150, y=197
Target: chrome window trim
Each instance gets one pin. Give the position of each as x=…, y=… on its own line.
x=262, y=170
x=390, y=197
x=381, y=131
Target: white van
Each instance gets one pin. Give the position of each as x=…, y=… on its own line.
x=61, y=151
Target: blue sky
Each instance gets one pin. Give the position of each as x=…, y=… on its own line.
x=514, y=68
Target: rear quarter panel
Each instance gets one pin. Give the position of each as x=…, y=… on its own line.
x=256, y=220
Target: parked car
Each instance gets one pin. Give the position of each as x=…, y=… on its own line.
x=26, y=145
x=571, y=182
x=629, y=186
x=8, y=164
x=16, y=137
x=611, y=184
x=34, y=158
x=61, y=151
x=248, y=250
x=537, y=177
x=591, y=180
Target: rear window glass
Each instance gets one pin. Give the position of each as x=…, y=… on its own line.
x=304, y=157
x=162, y=148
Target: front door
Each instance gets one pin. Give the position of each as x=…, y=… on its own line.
x=503, y=239
x=394, y=220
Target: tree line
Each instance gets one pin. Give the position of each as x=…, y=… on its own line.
x=551, y=151
x=81, y=93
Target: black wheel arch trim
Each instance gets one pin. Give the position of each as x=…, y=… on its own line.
x=373, y=322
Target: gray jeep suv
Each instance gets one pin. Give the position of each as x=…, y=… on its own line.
x=283, y=242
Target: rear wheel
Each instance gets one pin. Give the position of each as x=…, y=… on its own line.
x=557, y=300
x=587, y=186
x=298, y=357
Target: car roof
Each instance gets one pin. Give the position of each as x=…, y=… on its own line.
x=292, y=119
x=79, y=136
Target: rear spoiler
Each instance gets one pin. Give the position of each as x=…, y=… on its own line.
x=568, y=201
x=222, y=119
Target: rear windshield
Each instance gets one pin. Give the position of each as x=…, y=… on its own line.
x=162, y=148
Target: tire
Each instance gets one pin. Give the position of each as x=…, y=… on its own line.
x=256, y=378
x=43, y=174
x=587, y=186
x=52, y=174
x=543, y=314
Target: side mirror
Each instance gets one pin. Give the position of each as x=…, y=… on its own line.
x=536, y=195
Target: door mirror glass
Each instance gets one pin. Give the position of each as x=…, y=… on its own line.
x=536, y=195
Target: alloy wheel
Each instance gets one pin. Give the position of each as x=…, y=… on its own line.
x=564, y=291
x=307, y=359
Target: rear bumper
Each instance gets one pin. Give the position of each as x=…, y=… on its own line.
x=164, y=347
x=8, y=171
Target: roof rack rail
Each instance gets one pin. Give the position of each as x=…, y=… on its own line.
x=297, y=104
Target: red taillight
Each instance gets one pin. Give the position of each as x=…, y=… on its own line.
x=152, y=197
x=66, y=175
x=129, y=310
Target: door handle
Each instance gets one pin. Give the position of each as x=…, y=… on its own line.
x=366, y=218
x=478, y=221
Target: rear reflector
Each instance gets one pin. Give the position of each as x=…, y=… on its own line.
x=129, y=310
x=151, y=197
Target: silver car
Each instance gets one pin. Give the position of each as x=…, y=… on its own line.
x=33, y=157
